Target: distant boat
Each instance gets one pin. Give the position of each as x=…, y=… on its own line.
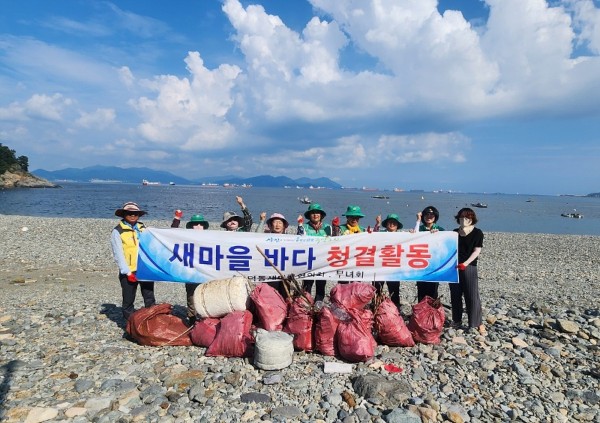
x=380, y=197
x=305, y=200
x=369, y=189
x=529, y=201
x=147, y=182
x=572, y=215
x=171, y=183
x=479, y=205
x=104, y=181
x=398, y=190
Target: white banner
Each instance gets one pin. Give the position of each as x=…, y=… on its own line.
x=184, y=255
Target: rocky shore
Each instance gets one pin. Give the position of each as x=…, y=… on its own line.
x=63, y=356
x=21, y=179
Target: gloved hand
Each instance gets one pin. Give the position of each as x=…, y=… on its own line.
x=300, y=220
x=178, y=214
x=131, y=278
x=369, y=230
x=461, y=266
x=336, y=221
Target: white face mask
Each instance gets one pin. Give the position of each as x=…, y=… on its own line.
x=465, y=221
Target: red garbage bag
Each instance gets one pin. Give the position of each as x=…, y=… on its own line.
x=325, y=329
x=204, y=331
x=390, y=326
x=233, y=337
x=271, y=308
x=156, y=326
x=352, y=295
x=300, y=322
x=427, y=321
x=354, y=339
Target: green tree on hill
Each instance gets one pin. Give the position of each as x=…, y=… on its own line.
x=8, y=159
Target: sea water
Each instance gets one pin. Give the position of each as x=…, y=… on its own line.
x=504, y=212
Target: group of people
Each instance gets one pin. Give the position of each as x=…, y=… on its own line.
x=124, y=242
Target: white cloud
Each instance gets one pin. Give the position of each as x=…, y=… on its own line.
x=189, y=112
x=99, y=119
x=587, y=20
x=425, y=147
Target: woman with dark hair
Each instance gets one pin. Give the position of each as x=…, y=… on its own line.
x=427, y=222
x=470, y=243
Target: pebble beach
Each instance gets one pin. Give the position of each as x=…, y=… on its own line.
x=64, y=356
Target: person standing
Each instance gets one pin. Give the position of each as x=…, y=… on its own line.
x=233, y=222
x=314, y=227
x=391, y=224
x=470, y=243
x=352, y=226
x=198, y=223
x=427, y=222
x=124, y=241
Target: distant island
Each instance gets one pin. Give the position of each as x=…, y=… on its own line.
x=115, y=174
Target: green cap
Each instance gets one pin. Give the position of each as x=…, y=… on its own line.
x=353, y=211
x=314, y=208
x=392, y=216
x=197, y=218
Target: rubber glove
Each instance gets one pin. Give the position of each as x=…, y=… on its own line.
x=336, y=221
x=178, y=214
x=461, y=266
x=131, y=278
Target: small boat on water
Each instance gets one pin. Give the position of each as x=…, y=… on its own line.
x=479, y=205
x=380, y=197
x=171, y=183
x=305, y=200
x=147, y=182
x=572, y=215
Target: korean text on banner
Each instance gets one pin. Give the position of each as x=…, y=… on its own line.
x=180, y=255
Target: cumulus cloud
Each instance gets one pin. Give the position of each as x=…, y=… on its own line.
x=190, y=111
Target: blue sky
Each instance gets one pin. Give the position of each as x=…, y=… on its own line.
x=474, y=96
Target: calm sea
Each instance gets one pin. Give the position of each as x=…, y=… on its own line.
x=505, y=212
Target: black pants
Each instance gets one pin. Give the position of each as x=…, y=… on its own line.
x=467, y=286
x=429, y=289
x=319, y=290
x=393, y=290
x=190, y=288
x=129, y=291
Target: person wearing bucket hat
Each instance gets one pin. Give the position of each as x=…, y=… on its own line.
x=314, y=227
x=353, y=216
x=277, y=223
x=427, y=222
x=197, y=222
x=232, y=222
x=124, y=242
x=390, y=224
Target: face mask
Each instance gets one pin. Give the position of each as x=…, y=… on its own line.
x=464, y=221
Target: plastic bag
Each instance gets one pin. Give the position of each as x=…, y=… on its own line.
x=427, y=321
x=352, y=295
x=204, y=331
x=233, y=337
x=271, y=308
x=325, y=329
x=300, y=322
x=390, y=326
x=156, y=326
x=354, y=339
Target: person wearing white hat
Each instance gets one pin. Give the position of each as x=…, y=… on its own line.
x=125, y=243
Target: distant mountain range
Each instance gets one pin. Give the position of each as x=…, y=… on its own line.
x=137, y=174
